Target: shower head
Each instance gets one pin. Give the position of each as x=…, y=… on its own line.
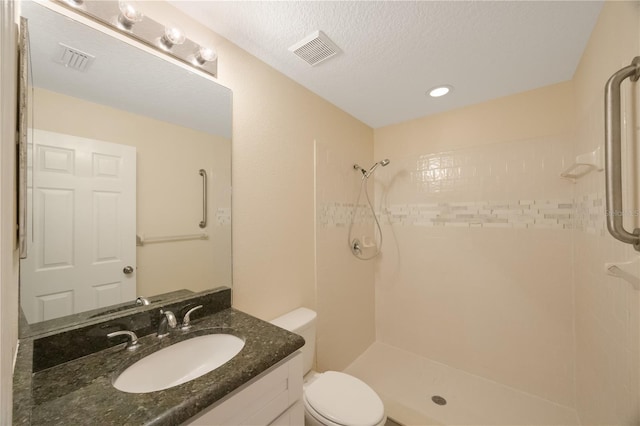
x=379, y=163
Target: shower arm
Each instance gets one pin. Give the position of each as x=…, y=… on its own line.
x=372, y=169
x=368, y=173
x=613, y=155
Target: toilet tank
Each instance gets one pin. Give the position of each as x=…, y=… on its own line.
x=301, y=321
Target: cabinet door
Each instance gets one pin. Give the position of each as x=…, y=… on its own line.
x=259, y=402
x=294, y=416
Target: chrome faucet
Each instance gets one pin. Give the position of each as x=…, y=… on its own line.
x=186, y=321
x=132, y=343
x=167, y=321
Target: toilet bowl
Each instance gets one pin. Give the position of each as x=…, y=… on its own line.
x=337, y=399
x=331, y=398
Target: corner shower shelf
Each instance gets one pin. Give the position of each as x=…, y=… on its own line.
x=584, y=164
x=628, y=271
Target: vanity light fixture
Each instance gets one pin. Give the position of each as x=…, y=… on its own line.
x=128, y=15
x=205, y=54
x=124, y=17
x=172, y=36
x=438, y=91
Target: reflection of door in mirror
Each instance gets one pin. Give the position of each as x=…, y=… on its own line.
x=75, y=261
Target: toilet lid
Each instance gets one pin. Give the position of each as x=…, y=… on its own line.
x=345, y=400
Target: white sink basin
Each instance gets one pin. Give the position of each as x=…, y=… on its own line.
x=179, y=363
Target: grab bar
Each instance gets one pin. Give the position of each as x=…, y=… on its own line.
x=203, y=222
x=613, y=154
x=141, y=240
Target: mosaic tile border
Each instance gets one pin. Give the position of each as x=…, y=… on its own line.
x=590, y=214
x=585, y=214
x=223, y=216
x=334, y=215
x=487, y=214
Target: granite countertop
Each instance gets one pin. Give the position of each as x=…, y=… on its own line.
x=81, y=391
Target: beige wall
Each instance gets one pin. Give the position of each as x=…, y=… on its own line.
x=607, y=308
x=476, y=267
x=275, y=124
x=169, y=189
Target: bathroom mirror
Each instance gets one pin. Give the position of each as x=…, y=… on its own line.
x=128, y=174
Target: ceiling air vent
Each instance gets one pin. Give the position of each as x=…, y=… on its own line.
x=315, y=48
x=73, y=58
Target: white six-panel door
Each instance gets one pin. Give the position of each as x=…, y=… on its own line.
x=82, y=219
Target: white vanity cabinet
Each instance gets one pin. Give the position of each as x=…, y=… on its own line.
x=272, y=398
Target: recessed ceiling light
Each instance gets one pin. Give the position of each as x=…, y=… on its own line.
x=436, y=92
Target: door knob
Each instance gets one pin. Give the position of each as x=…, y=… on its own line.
x=128, y=270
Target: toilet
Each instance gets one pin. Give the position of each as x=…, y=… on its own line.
x=331, y=398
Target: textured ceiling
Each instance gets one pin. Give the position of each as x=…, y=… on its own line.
x=395, y=51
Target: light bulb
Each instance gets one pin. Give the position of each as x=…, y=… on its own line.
x=172, y=36
x=128, y=15
x=206, y=54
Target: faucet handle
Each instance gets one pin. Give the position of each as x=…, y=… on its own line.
x=132, y=344
x=186, y=321
x=142, y=301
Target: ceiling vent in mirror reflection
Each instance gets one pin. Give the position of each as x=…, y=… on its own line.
x=74, y=58
x=315, y=48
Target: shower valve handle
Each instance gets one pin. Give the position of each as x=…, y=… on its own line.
x=356, y=247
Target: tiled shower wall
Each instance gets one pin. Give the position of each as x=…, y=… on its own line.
x=475, y=269
x=496, y=185
x=607, y=309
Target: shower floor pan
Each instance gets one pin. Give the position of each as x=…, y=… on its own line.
x=409, y=385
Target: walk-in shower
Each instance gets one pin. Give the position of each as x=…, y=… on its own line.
x=356, y=245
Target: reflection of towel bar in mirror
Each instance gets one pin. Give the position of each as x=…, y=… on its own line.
x=584, y=164
x=141, y=240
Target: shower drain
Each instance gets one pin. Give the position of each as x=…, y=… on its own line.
x=437, y=399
